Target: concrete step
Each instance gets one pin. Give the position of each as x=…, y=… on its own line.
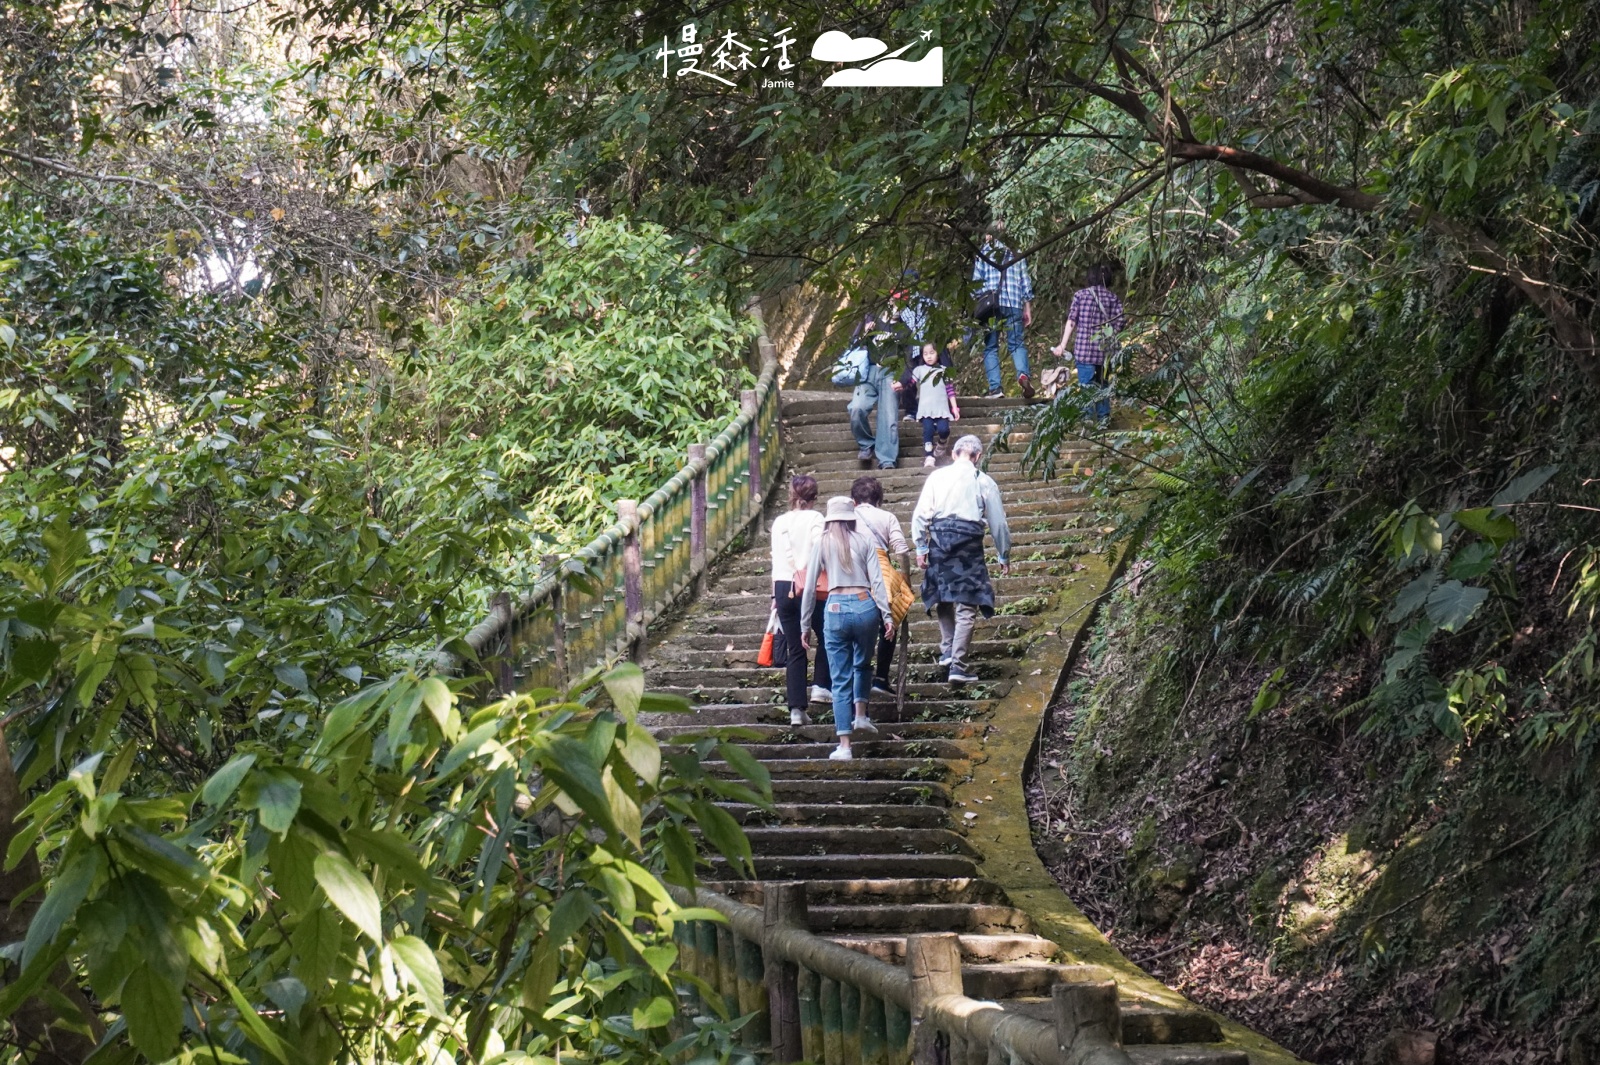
x=992, y=981
x=882, y=710
x=920, y=917
x=744, y=657
x=993, y=689
x=807, y=867
x=1182, y=1054
x=862, y=768
x=840, y=841
x=821, y=733
x=876, y=816
x=701, y=632
x=748, y=676
x=1141, y=1022
x=781, y=754
x=851, y=792
x=872, y=891
x=975, y=949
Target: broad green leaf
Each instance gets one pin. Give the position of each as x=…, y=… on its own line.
x=274, y=795
x=1496, y=528
x=656, y=1013
x=421, y=970
x=437, y=698
x=1524, y=485
x=625, y=685
x=226, y=780
x=67, y=891
x=624, y=811
x=351, y=893
x=153, y=1009
x=1411, y=598
x=643, y=754
x=752, y=770
x=1452, y=604
x=724, y=833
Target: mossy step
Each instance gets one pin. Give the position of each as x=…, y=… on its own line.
x=805, y=867
x=993, y=981
x=875, y=890
x=882, y=709
x=975, y=949
x=1141, y=1022
x=919, y=770
x=919, y=917
x=846, y=791
x=1182, y=1054
x=822, y=814
x=717, y=656
x=847, y=840
x=706, y=693
x=778, y=754
x=820, y=733
x=744, y=676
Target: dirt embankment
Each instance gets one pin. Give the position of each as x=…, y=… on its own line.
x=1356, y=898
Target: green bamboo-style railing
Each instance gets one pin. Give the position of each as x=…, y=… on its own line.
x=595, y=607
x=814, y=1000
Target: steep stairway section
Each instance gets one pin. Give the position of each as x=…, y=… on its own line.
x=881, y=841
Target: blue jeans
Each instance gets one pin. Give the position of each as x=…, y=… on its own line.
x=850, y=629
x=991, y=346
x=883, y=433
x=1095, y=377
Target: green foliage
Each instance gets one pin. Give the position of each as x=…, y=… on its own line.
x=580, y=379
x=405, y=877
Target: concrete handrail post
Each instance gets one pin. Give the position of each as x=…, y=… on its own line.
x=697, y=518
x=558, y=624
x=933, y=960
x=783, y=906
x=1088, y=1022
x=751, y=408
x=500, y=610
x=632, y=577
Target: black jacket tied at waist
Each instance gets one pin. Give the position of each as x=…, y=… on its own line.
x=956, y=571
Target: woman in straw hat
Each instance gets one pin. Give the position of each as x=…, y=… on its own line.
x=856, y=611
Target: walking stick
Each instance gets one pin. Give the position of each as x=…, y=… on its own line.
x=904, y=651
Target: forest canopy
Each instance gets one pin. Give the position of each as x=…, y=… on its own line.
x=321, y=319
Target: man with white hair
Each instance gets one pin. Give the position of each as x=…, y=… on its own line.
x=958, y=502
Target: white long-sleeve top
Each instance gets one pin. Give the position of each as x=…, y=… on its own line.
x=961, y=490
x=793, y=534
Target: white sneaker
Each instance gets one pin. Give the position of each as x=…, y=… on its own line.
x=864, y=724
x=840, y=754
x=820, y=694
x=958, y=676
x=798, y=718
x=929, y=463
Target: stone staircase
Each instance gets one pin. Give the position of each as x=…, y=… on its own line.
x=883, y=841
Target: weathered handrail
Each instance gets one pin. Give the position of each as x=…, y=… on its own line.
x=814, y=1000
x=597, y=605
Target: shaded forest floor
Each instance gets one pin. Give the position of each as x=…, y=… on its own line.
x=1353, y=901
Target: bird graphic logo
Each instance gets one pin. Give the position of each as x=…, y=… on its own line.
x=879, y=67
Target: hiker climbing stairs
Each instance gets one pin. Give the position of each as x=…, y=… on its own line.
x=882, y=842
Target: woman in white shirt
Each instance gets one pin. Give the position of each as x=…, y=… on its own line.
x=793, y=535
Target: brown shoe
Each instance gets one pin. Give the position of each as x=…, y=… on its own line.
x=1026, y=383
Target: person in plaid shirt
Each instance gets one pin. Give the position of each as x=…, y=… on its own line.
x=996, y=271
x=1093, y=321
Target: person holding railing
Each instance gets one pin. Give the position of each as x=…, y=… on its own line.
x=857, y=609
x=793, y=534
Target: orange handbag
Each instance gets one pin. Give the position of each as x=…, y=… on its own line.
x=764, y=658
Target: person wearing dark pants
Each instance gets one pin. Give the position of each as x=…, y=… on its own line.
x=794, y=533
x=884, y=528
